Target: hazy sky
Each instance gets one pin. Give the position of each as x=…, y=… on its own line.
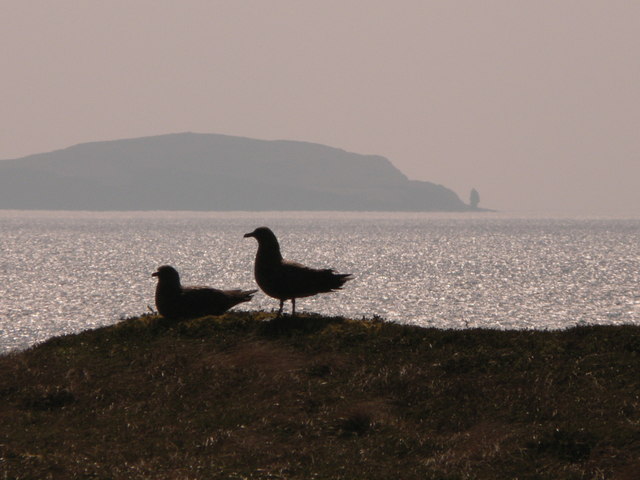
x=535, y=103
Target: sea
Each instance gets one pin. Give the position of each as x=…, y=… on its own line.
x=64, y=272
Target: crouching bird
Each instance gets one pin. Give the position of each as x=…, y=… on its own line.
x=286, y=280
x=175, y=301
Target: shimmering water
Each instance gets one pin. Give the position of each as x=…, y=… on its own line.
x=64, y=272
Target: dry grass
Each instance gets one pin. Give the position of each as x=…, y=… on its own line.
x=242, y=396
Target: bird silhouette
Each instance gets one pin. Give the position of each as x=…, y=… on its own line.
x=175, y=301
x=286, y=280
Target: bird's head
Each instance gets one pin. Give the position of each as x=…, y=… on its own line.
x=267, y=241
x=261, y=234
x=166, y=273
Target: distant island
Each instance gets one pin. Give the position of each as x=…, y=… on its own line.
x=191, y=171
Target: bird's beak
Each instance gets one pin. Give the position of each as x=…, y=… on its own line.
x=247, y=235
x=154, y=274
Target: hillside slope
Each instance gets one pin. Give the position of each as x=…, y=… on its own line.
x=191, y=171
x=247, y=396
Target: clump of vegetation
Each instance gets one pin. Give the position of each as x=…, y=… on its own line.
x=248, y=396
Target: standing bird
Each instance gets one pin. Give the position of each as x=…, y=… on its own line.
x=286, y=280
x=175, y=301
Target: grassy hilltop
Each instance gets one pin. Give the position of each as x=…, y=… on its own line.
x=244, y=396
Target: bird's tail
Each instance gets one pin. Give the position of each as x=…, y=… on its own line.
x=335, y=281
x=245, y=295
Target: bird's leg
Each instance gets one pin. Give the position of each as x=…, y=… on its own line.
x=293, y=307
x=281, y=306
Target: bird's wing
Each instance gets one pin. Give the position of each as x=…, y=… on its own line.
x=198, y=301
x=304, y=281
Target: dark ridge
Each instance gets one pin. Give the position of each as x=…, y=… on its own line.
x=244, y=395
